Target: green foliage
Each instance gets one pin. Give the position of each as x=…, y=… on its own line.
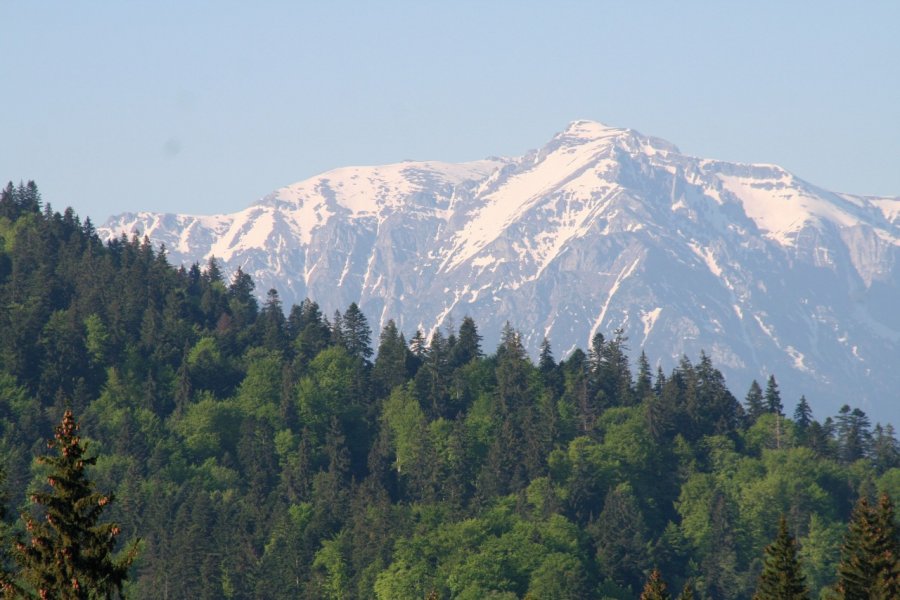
x=260, y=455
x=70, y=553
x=869, y=556
x=782, y=577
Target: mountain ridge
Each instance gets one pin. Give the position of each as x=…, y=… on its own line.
x=601, y=228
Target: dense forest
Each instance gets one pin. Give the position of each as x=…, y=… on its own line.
x=258, y=452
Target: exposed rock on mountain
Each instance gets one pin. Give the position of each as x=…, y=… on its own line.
x=601, y=228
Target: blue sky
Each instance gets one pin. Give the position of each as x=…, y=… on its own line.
x=203, y=107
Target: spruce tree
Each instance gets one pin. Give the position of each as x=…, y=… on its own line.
x=356, y=333
x=869, y=568
x=468, y=345
x=753, y=403
x=655, y=588
x=782, y=577
x=70, y=553
x=803, y=415
x=773, y=398
x=887, y=549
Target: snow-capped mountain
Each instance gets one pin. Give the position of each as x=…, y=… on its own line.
x=601, y=228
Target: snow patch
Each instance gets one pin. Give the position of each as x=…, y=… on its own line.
x=708, y=257
x=648, y=318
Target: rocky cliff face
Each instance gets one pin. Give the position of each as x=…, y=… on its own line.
x=599, y=229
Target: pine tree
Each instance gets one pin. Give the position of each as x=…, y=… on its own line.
x=69, y=555
x=782, y=577
x=655, y=588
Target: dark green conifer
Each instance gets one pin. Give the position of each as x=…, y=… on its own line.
x=753, y=403
x=468, y=344
x=70, y=553
x=773, y=398
x=782, y=577
x=803, y=416
x=390, y=369
x=868, y=568
x=357, y=335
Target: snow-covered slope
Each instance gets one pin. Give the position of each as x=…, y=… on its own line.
x=600, y=228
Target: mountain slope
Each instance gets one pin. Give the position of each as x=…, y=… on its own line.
x=599, y=229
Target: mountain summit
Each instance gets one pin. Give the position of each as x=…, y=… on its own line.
x=600, y=229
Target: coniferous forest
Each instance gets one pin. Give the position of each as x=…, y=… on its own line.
x=238, y=449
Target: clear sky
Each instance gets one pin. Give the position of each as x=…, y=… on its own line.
x=203, y=107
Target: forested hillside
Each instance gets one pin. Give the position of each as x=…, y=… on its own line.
x=259, y=454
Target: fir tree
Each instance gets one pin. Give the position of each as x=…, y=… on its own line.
x=70, y=553
x=782, y=576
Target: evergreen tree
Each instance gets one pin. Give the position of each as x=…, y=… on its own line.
x=655, y=588
x=70, y=553
x=468, y=344
x=887, y=549
x=550, y=373
x=782, y=576
x=869, y=568
x=773, y=398
x=853, y=434
x=241, y=301
x=753, y=403
x=885, y=453
x=644, y=383
x=621, y=537
x=356, y=333
x=389, y=370
x=309, y=330
x=272, y=323
x=803, y=415
x=418, y=345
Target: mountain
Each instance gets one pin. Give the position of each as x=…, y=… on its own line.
x=601, y=228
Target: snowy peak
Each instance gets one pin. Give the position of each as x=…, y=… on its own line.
x=365, y=191
x=598, y=229
x=588, y=131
